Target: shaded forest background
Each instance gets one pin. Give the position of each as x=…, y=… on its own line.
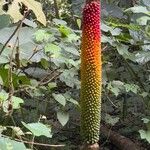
x=40, y=73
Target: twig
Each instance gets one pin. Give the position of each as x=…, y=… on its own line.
x=34, y=52
x=46, y=82
x=110, y=99
x=10, y=81
x=12, y=35
x=105, y=48
x=34, y=143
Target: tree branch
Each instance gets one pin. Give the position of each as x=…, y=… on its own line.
x=34, y=143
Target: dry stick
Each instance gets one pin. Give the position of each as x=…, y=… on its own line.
x=110, y=99
x=34, y=143
x=34, y=52
x=10, y=81
x=10, y=37
x=56, y=9
x=46, y=82
x=44, y=78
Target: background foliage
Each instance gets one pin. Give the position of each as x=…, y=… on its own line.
x=40, y=72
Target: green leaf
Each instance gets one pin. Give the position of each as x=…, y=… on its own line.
x=70, y=99
x=42, y=35
x=24, y=62
x=65, y=31
x=52, y=85
x=79, y=23
x=38, y=129
x=147, y=29
x=115, y=87
x=105, y=27
x=16, y=101
x=69, y=75
x=113, y=31
x=4, y=21
x=130, y=26
x=111, y=120
x=18, y=131
x=124, y=37
x=123, y=50
x=145, y=120
x=27, y=50
x=144, y=94
x=34, y=83
x=106, y=39
x=44, y=63
x=59, y=22
x=8, y=144
x=142, y=57
x=145, y=135
x=29, y=23
x=1, y=81
x=143, y=20
x=53, y=49
x=138, y=9
x=70, y=78
x=146, y=3
x=63, y=117
x=73, y=101
x=17, y=80
x=131, y=87
x=72, y=37
x=71, y=50
x=60, y=99
x=3, y=59
x=23, y=32
x=2, y=128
